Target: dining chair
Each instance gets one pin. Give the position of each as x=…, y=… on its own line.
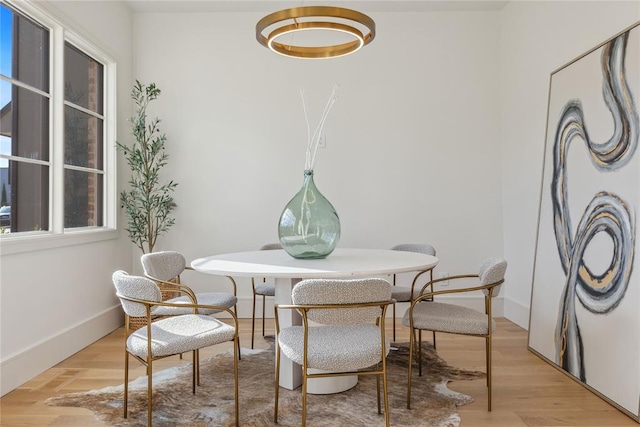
x=169, y=336
x=347, y=337
x=165, y=268
x=427, y=314
x=406, y=293
x=264, y=289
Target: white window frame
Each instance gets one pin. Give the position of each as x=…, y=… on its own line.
x=58, y=236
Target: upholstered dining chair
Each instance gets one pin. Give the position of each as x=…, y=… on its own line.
x=169, y=336
x=348, y=335
x=263, y=288
x=406, y=293
x=166, y=268
x=427, y=314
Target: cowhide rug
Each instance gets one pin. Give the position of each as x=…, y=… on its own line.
x=433, y=404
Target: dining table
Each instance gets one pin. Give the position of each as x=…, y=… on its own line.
x=286, y=271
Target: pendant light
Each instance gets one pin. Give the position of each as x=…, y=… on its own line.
x=273, y=29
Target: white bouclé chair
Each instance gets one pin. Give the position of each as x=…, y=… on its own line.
x=347, y=337
x=428, y=314
x=177, y=334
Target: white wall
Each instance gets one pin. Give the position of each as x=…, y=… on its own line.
x=536, y=38
x=413, y=151
x=421, y=148
x=55, y=302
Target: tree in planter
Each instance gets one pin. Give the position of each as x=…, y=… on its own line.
x=148, y=204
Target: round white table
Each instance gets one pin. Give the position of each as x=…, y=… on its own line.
x=287, y=271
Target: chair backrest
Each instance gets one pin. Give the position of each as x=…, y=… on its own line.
x=342, y=291
x=163, y=265
x=271, y=247
x=135, y=287
x=422, y=248
x=492, y=271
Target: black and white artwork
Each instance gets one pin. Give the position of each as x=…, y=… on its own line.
x=585, y=303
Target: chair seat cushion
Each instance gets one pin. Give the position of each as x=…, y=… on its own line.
x=206, y=298
x=266, y=288
x=401, y=293
x=442, y=317
x=334, y=348
x=179, y=334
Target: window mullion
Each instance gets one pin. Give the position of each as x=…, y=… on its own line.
x=84, y=110
x=111, y=192
x=56, y=195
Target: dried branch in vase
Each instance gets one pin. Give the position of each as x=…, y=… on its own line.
x=314, y=140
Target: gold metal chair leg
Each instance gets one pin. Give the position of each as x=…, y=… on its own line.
x=126, y=381
x=386, y=396
x=420, y=352
x=253, y=320
x=198, y=368
x=304, y=398
x=277, y=383
x=264, y=299
x=149, y=391
x=378, y=390
x=394, y=322
x=235, y=310
x=411, y=350
x=236, y=355
x=194, y=374
x=488, y=373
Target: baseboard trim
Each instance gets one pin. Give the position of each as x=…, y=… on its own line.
x=517, y=313
x=19, y=368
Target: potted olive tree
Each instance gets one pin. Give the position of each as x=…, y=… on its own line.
x=148, y=203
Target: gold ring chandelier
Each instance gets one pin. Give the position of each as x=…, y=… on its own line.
x=357, y=25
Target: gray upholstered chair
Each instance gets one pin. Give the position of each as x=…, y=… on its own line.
x=169, y=336
x=406, y=293
x=350, y=338
x=165, y=268
x=263, y=288
x=428, y=314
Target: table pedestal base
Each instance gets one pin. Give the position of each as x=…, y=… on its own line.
x=330, y=385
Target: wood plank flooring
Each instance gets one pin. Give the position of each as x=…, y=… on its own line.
x=526, y=390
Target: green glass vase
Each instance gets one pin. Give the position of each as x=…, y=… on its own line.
x=309, y=225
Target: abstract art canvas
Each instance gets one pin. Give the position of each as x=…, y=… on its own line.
x=585, y=299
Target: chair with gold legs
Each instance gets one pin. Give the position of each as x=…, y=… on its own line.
x=427, y=314
x=350, y=338
x=166, y=267
x=263, y=288
x=169, y=336
x=406, y=293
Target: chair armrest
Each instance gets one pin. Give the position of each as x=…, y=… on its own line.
x=417, y=276
x=427, y=295
x=195, y=307
x=176, y=287
x=444, y=279
x=233, y=282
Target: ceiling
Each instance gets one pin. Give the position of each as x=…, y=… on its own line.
x=273, y=5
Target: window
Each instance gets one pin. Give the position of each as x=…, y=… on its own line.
x=56, y=130
x=24, y=121
x=83, y=139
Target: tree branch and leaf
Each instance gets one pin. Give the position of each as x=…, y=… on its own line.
x=148, y=203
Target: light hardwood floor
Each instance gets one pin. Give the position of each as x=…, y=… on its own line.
x=526, y=390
